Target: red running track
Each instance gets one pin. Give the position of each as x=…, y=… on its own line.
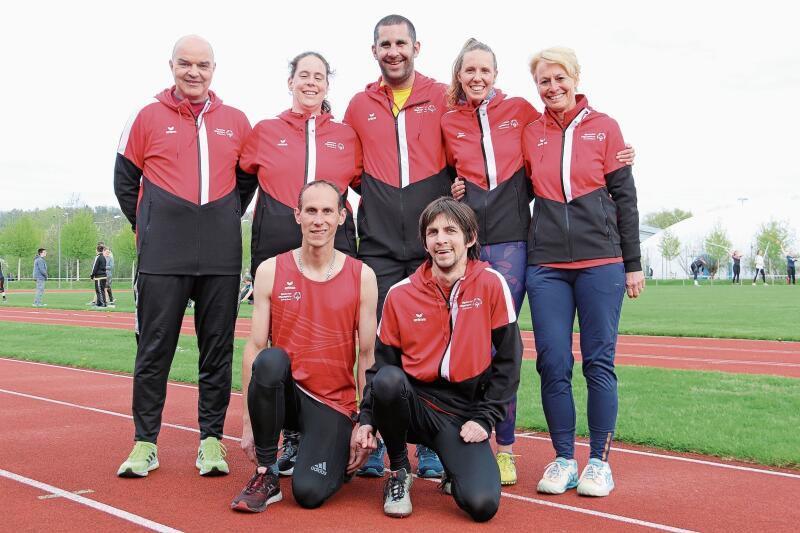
x=72, y=429
x=726, y=355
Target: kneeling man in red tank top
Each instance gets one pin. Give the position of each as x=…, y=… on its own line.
x=312, y=303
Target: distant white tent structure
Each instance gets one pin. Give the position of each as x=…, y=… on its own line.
x=741, y=222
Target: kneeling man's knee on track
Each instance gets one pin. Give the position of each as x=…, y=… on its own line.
x=308, y=492
x=481, y=504
x=271, y=366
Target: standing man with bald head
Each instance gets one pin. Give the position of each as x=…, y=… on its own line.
x=178, y=182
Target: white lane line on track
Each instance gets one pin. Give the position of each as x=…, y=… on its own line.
x=524, y=435
x=677, y=458
x=706, y=360
x=119, y=513
x=608, y=516
x=100, y=373
x=104, y=411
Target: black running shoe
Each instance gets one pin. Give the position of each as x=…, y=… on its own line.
x=288, y=457
x=260, y=491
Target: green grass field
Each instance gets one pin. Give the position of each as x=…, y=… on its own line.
x=719, y=310
x=746, y=417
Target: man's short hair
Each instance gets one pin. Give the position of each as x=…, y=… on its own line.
x=40, y=250
x=316, y=183
x=391, y=20
x=100, y=248
x=455, y=211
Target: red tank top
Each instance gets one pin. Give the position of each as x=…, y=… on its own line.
x=316, y=323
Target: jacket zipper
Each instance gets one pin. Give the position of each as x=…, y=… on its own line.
x=399, y=174
x=311, y=137
x=486, y=173
x=449, y=302
x=564, y=192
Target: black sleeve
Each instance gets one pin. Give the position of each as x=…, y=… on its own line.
x=127, y=180
x=384, y=355
x=247, y=184
x=623, y=191
x=504, y=378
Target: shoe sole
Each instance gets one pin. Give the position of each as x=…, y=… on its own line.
x=132, y=474
x=287, y=472
x=429, y=474
x=397, y=515
x=545, y=487
x=594, y=493
x=507, y=483
x=243, y=507
x=213, y=471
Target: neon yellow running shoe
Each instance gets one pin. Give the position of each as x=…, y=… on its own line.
x=508, y=470
x=143, y=459
x=211, y=457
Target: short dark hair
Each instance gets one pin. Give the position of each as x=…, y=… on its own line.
x=100, y=248
x=391, y=20
x=40, y=250
x=457, y=212
x=314, y=184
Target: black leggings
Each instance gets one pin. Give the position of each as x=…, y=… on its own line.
x=402, y=416
x=760, y=271
x=100, y=292
x=736, y=270
x=274, y=401
x=790, y=275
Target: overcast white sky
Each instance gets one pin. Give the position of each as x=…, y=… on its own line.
x=706, y=93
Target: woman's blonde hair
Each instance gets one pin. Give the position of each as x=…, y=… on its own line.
x=561, y=56
x=455, y=92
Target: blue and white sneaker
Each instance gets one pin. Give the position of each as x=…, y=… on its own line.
x=559, y=476
x=428, y=463
x=374, y=467
x=596, y=479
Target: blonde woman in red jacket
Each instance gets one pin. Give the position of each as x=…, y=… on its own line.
x=583, y=255
x=482, y=136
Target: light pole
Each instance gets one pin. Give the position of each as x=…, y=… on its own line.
x=58, y=225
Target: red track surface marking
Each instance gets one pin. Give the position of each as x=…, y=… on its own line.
x=726, y=355
x=652, y=491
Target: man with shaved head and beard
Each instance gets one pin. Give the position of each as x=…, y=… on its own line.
x=178, y=182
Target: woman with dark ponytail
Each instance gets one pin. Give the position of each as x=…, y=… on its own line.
x=301, y=145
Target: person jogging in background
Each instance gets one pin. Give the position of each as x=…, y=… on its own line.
x=736, y=256
x=178, y=183
x=311, y=303
x=790, y=269
x=2, y=282
x=697, y=267
x=98, y=275
x=109, y=275
x=397, y=119
x=449, y=403
x=39, y=276
x=759, y=266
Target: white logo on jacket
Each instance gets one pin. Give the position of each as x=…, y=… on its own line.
x=430, y=108
x=170, y=129
x=371, y=117
x=460, y=135
x=282, y=143
x=223, y=132
x=334, y=145
x=471, y=304
x=542, y=141
x=419, y=317
x=594, y=136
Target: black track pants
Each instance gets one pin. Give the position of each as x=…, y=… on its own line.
x=160, y=305
x=274, y=401
x=402, y=416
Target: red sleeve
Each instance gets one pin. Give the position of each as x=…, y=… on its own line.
x=502, y=305
x=248, y=160
x=614, y=143
x=133, y=140
x=526, y=135
x=388, y=330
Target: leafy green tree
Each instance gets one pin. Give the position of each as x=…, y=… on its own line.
x=19, y=240
x=772, y=238
x=718, y=248
x=669, y=246
x=665, y=218
x=123, y=244
x=79, y=237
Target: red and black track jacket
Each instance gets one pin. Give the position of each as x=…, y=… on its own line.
x=484, y=144
x=444, y=345
x=404, y=165
x=585, y=199
x=287, y=152
x=176, y=181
